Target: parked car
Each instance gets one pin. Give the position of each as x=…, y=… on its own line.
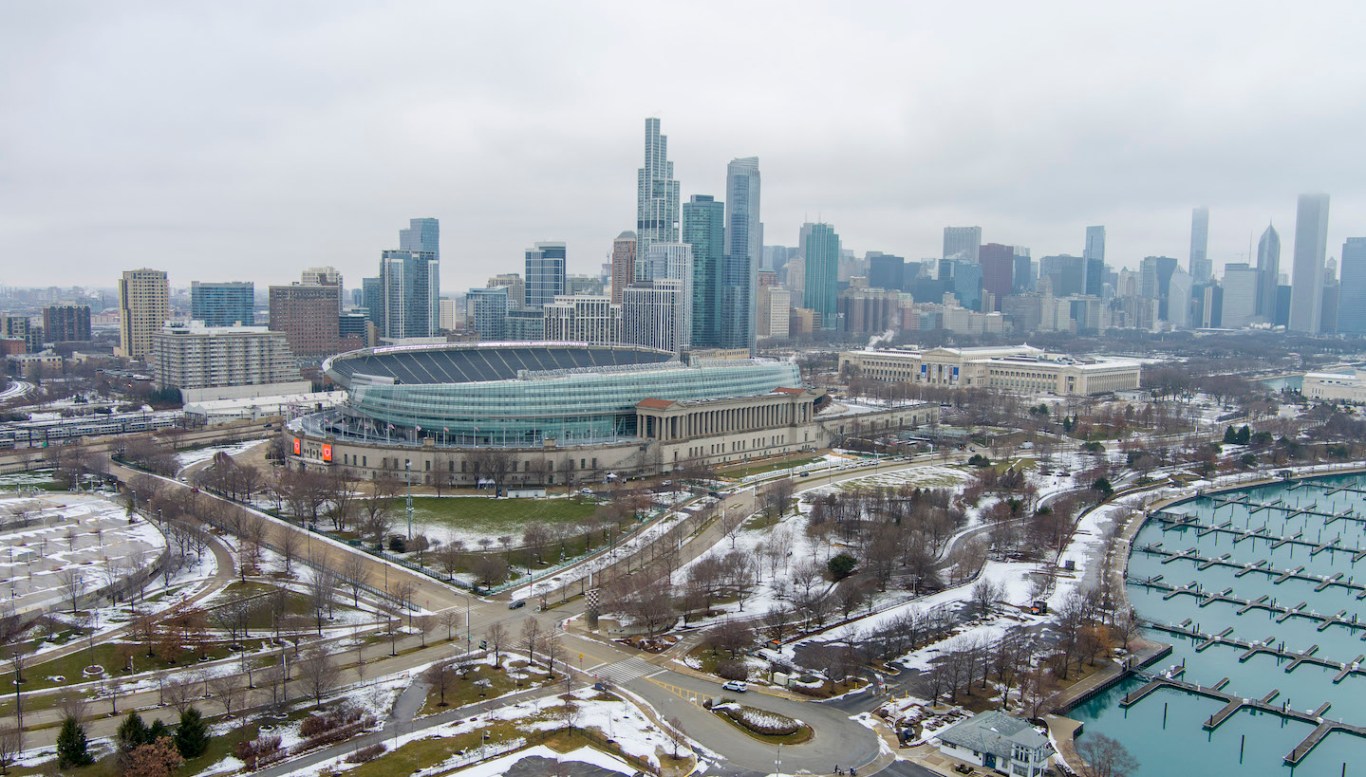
x=734, y=685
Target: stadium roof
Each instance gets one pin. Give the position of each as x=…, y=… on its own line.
x=469, y=364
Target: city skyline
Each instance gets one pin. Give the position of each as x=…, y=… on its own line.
x=278, y=165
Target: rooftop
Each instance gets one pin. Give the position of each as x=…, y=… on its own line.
x=993, y=732
x=478, y=363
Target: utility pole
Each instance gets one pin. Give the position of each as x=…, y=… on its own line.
x=408, y=476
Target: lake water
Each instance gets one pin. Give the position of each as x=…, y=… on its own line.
x=1180, y=744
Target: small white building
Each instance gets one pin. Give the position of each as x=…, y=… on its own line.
x=998, y=741
x=1335, y=387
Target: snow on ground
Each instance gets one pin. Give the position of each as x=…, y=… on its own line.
x=618, y=720
x=192, y=457
x=499, y=766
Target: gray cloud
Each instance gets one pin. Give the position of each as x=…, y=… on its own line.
x=249, y=140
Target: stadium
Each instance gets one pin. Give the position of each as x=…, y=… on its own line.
x=551, y=413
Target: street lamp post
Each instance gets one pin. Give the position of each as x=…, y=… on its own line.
x=408, y=476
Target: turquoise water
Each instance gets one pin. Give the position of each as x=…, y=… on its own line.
x=1181, y=745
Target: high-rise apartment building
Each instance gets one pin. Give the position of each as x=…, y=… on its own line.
x=595, y=320
x=1155, y=275
x=66, y=323
x=144, y=306
x=774, y=309
x=704, y=229
x=1268, y=273
x=623, y=264
x=486, y=312
x=545, y=274
x=223, y=304
x=653, y=314
x=1306, y=279
x=1175, y=306
x=820, y=246
x=372, y=295
x=671, y=262
x=1352, y=288
x=410, y=282
x=886, y=271
x=421, y=236
x=1201, y=268
x=744, y=251
x=962, y=243
x=307, y=314
x=657, y=203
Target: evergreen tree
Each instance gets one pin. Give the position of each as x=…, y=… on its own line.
x=1230, y=436
x=1244, y=435
x=158, y=730
x=192, y=735
x=72, y=749
x=132, y=734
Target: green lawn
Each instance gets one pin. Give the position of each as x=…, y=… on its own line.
x=759, y=469
x=496, y=516
x=466, y=690
x=37, y=675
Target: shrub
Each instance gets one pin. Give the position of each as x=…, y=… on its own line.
x=760, y=721
x=978, y=460
x=366, y=754
x=841, y=565
x=733, y=670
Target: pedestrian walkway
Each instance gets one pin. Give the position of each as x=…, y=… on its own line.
x=625, y=670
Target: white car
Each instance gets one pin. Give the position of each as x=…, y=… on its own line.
x=734, y=685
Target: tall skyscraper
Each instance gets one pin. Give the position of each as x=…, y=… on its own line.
x=652, y=314
x=821, y=249
x=144, y=305
x=1095, y=243
x=1268, y=273
x=886, y=271
x=1155, y=273
x=744, y=251
x=1175, y=308
x=223, y=304
x=421, y=235
x=1201, y=268
x=1352, y=288
x=623, y=264
x=657, y=201
x=486, y=312
x=670, y=266
x=962, y=243
x=545, y=274
x=704, y=229
x=372, y=294
x=1306, y=279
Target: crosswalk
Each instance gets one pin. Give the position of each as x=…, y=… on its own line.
x=625, y=670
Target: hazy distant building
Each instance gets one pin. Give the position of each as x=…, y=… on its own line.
x=744, y=235
x=307, y=314
x=1352, y=288
x=657, y=202
x=1239, y=308
x=486, y=312
x=1201, y=268
x=820, y=246
x=372, y=295
x=962, y=243
x=1268, y=273
x=1022, y=280
x=66, y=323
x=514, y=284
x=1174, y=304
x=1093, y=258
x=998, y=272
x=144, y=306
x=623, y=264
x=1066, y=274
x=223, y=304
x=704, y=229
x=1306, y=280
x=421, y=236
x=545, y=274
x=885, y=271
x=774, y=310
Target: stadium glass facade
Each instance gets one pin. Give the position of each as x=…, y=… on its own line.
x=522, y=396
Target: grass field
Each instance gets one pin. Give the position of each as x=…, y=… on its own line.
x=760, y=469
x=495, y=516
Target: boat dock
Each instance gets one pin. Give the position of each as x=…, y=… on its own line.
x=1277, y=576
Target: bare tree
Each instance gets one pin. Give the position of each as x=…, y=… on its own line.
x=985, y=593
x=180, y=692
x=287, y=542
x=496, y=635
x=1105, y=757
x=355, y=572
x=72, y=582
x=317, y=672
x=11, y=744
x=531, y=636
x=227, y=690
x=450, y=618
x=440, y=677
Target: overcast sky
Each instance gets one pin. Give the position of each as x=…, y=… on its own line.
x=246, y=141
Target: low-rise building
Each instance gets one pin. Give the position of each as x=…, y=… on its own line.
x=1020, y=368
x=995, y=740
x=1335, y=386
